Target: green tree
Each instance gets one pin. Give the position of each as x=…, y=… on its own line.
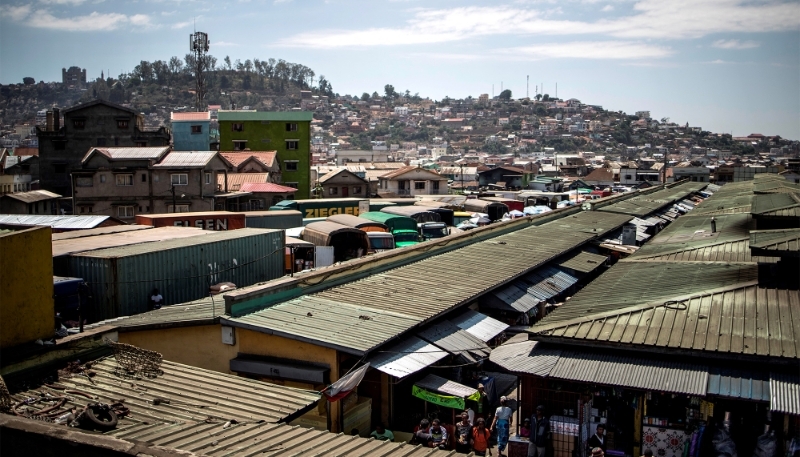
x=365, y=96
x=390, y=92
x=28, y=81
x=546, y=97
x=505, y=95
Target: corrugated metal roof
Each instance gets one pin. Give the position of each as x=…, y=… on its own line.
x=635, y=372
x=520, y=355
x=513, y=298
x=277, y=116
x=746, y=319
x=190, y=116
x=198, y=312
x=99, y=231
x=266, y=187
x=235, y=180
x=784, y=391
x=33, y=196
x=731, y=251
x=267, y=158
x=733, y=383
x=186, y=159
x=634, y=283
x=650, y=203
x=479, y=325
x=193, y=395
x=775, y=241
x=449, y=337
x=143, y=248
x=138, y=153
x=439, y=384
x=546, y=282
x=583, y=262
x=56, y=222
x=90, y=243
x=396, y=292
x=406, y=357
x=778, y=204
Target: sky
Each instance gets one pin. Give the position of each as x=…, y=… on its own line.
x=728, y=66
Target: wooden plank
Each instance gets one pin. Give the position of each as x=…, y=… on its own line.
x=762, y=323
x=619, y=327
x=655, y=326
x=737, y=322
x=643, y=327
x=703, y=319
x=749, y=333
x=725, y=318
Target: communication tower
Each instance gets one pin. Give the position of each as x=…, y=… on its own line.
x=198, y=44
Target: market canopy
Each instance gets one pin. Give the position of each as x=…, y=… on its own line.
x=443, y=392
x=407, y=357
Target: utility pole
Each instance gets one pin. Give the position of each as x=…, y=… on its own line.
x=527, y=86
x=463, y=191
x=174, y=207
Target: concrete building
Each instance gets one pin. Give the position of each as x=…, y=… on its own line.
x=686, y=170
x=74, y=77
x=17, y=171
x=342, y=184
x=94, y=124
x=123, y=182
x=346, y=156
x=411, y=181
x=288, y=133
x=190, y=131
x=30, y=202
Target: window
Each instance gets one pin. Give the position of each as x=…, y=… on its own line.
x=436, y=185
x=59, y=168
x=144, y=177
x=102, y=178
x=290, y=165
x=419, y=185
x=197, y=129
x=84, y=181
x=178, y=209
x=292, y=144
x=85, y=209
x=333, y=190
x=101, y=142
x=124, y=212
x=356, y=190
x=179, y=179
x=124, y=180
x=79, y=124
x=239, y=145
x=208, y=178
x=237, y=127
x=122, y=124
x=141, y=144
x=291, y=127
x=628, y=177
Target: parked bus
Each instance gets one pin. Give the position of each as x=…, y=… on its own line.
x=495, y=210
x=347, y=242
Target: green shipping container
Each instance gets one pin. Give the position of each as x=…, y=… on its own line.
x=273, y=219
x=121, y=279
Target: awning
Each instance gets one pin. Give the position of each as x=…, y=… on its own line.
x=443, y=392
x=479, y=325
x=449, y=337
x=784, y=391
x=512, y=298
x=748, y=385
x=407, y=357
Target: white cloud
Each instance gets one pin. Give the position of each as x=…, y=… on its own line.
x=224, y=44
x=590, y=50
x=735, y=44
x=282, y=1
x=16, y=13
x=62, y=2
x=95, y=21
x=648, y=19
x=181, y=25
x=607, y=8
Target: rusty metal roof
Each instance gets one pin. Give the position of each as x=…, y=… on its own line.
x=91, y=243
x=235, y=180
x=445, y=386
x=186, y=159
x=33, y=196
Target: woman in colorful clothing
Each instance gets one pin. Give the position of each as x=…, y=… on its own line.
x=480, y=437
x=502, y=423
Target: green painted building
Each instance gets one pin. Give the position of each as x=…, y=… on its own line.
x=287, y=132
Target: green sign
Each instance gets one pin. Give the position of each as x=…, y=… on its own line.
x=437, y=399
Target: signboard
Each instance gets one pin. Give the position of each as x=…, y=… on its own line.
x=438, y=399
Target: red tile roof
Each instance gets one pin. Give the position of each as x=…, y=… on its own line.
x=266, y=187
x=404, y=170
x=235, y=180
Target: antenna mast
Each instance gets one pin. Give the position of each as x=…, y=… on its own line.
x=198, y=43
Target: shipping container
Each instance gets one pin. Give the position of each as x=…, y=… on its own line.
x=360, y=223
x=273, y=219
x=513, y=205
x=403, y=228
x=443, y=209
x=324, y=207
x=209, y=220
x=121, y=279
x=347, y=242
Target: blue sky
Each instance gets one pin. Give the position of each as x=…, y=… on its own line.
x=725, y=65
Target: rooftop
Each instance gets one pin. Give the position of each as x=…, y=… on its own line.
x=186, y=159
x=279, y=116
x=33, y=196
x=192, y=116
x=56, y=222
x=266, y=187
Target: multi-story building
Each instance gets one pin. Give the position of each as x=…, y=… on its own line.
x=288, y=133
x=190, y=131
x=74, y=78
x=94, y=124
x=411, y=181
x=123, y=182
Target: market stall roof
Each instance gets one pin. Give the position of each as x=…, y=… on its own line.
x=448, y=336
x=583, y=262
x=479, y=325
x=784, y=389
x=525, y=293
x=406, y=357
x=784, y=242
x=736, y=383
x=444, y=386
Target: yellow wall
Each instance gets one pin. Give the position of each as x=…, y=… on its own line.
x=199, y=346
x=257, y=343
x=26, y=286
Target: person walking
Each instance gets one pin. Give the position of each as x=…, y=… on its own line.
x=539, y=433
x=502, y=423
